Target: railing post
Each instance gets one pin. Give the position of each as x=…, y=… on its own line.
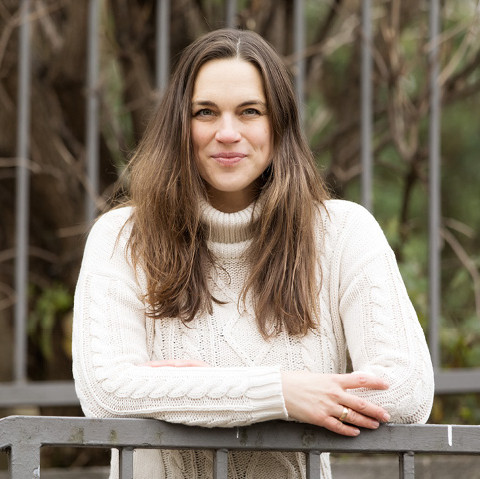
x=126, y=463
x=92, y=111
x=231, y=13
x=22, y=209
x=24, y=461
x=366, y=106
x=299, y=51
x=407, y=465
x=162, y=45
x=434, y=179
x=220, y=464
x=313, y=465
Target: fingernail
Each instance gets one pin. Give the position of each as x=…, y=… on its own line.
x=386, y=417
x=356, y=432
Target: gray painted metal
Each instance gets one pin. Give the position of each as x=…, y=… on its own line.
x=313, y=465
x=434, y=187
x=269, y=436
x=220, y=464
x=163, y=44
x=366, y=106
x=407, y=465
x=299, y=51
x=54, y=393
x=92, y=127
x=25, y=460
x=22, y=195
x=457, y=380
x=126, y=463
x=24, y=435
x=231, y=13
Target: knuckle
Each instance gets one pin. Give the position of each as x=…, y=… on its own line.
x=362, y=379
x=352, y=416
x=335, y=395
x=361, y=405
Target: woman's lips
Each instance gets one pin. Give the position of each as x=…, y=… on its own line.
x=228, y=158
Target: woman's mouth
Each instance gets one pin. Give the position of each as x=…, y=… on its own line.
x=228, y=158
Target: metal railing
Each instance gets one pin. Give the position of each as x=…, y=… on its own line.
x=23, y=436
x=20, y=390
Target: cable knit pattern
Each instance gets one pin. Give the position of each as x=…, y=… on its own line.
x=364, y=308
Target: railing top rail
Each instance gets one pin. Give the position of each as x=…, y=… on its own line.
x=276, y=435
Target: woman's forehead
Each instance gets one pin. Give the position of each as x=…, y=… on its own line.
x=228, y=79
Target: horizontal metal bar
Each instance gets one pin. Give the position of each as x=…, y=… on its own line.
x=54, y=393
x=456, y=381
x=269, y=436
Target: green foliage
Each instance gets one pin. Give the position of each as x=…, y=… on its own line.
x=50, y=305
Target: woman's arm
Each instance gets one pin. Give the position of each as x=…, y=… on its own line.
x=384, y=337
x=393, y=376
x=111, y=357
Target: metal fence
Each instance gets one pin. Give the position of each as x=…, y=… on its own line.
x=23, y=436
x=21, y=391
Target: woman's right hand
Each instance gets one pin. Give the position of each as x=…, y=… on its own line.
x=321, y=399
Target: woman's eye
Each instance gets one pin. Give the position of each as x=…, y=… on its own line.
x=251, y=112
x=204, y=112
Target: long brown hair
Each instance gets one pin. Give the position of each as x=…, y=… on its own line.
x=168, y=239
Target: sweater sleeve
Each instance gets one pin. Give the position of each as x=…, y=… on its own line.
x=110, y=342
x=382, y=331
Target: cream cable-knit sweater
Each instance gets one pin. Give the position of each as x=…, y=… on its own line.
x=364, y=308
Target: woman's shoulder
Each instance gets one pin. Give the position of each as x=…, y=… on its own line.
x=342, y=217
x=336, y=210
x=112, y=223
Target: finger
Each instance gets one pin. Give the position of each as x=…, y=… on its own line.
x=353, y=417
x=362, y=408
x=339, y=427
x=361, y=380
x=176, y=363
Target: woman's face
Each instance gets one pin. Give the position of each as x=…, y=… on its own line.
x=231, y=131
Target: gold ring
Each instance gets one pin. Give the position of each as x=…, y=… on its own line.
x=344, y=415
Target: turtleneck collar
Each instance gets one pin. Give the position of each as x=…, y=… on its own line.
x=229, y=228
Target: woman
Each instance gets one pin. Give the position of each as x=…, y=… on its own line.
x=230, y=289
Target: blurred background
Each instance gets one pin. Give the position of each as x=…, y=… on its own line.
x=92, y=77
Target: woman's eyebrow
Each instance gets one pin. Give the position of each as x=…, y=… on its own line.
x=244, y=103
x=253, y=102
x=203, y=102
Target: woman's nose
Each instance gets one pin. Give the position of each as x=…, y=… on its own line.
x=228, y=131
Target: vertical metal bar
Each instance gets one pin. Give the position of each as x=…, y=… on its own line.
x=220, y=464
x=22, y=209
x=92, y=136
x=313, y=465
x=434, y=188
x=299, y=47
x=24, y=461
x=163, y=44
x=231, y=13
x=126, y=463
x=366, y=106
x=407, y=465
